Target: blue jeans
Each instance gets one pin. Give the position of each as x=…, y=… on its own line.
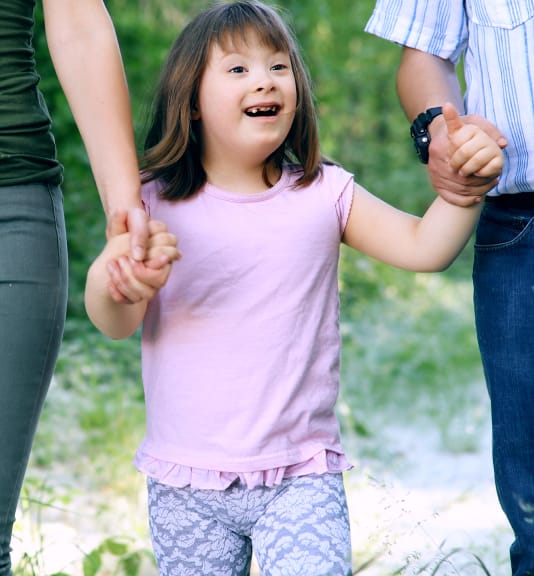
x=503, y=277
x=33, y=296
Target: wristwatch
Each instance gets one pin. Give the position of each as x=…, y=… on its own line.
x=419, y=132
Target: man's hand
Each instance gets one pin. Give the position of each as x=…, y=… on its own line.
x=462, y=189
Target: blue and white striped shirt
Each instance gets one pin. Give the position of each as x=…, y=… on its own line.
x=496, y=38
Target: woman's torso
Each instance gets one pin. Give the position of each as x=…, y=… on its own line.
x=27, y=148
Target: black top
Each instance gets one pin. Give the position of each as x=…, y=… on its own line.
x=27, y=148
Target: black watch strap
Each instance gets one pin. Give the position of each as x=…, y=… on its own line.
x=419, y=131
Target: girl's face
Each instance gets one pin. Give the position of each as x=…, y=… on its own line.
x=246, y=103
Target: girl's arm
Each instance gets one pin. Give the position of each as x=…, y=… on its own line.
x=430, y=243
x=113, y=273
x=84, y=49
x=111, y=318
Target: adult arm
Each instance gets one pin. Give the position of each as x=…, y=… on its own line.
x=85, y=52
x=425, y=81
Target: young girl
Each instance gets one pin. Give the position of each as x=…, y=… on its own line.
x=241, y=346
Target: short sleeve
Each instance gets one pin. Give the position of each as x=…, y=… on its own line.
x=439, y=28
x=149, y=195
x=340, y=184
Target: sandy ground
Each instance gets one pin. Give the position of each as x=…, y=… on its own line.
x=407, y=515
x=431, y=506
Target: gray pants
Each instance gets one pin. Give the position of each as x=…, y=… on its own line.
x=299, y=528
x=33, y=296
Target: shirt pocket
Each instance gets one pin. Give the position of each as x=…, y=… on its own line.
x=507, y=14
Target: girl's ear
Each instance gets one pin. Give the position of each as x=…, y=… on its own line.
x=195, y=112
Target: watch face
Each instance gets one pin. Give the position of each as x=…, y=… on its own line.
x=421, y=140
x=421, y=144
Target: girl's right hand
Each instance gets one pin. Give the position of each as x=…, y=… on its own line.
x=131, y=281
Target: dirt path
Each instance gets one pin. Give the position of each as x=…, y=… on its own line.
x=426, y=505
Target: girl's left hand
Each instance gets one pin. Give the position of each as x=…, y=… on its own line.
x=471, y=150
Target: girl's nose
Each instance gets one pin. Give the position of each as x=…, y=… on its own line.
x=266, y=87
x=264, y=82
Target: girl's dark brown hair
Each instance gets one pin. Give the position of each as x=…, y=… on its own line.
x=173, y=142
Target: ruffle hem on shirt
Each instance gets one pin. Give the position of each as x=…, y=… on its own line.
x=181, y=476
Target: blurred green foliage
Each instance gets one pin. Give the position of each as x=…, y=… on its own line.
x=362, y=125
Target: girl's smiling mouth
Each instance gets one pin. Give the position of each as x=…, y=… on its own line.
x=255, y=111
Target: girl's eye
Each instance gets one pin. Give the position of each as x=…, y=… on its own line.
x=237, y=69
x=280, y=67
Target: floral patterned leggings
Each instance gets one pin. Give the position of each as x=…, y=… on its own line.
x=297, y=528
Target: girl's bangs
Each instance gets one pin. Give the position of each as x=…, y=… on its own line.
x=236, y=29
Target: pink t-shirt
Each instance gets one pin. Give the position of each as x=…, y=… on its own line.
x=241, y=347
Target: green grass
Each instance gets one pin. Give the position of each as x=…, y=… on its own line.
x=412, y=357
x=97, y=396
x=410, y=351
